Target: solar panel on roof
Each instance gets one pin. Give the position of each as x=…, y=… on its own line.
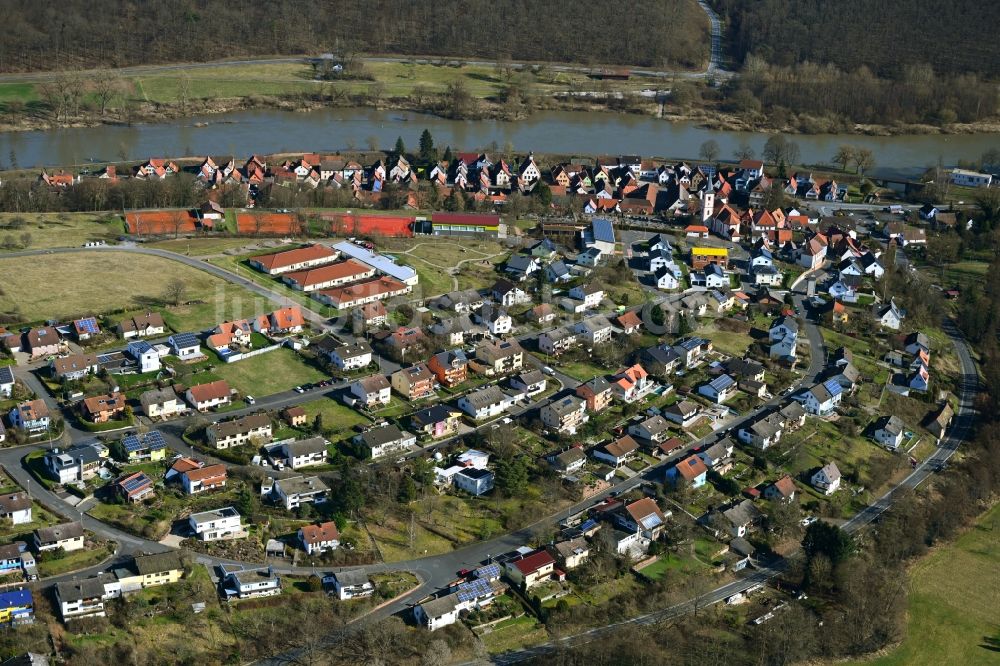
x=650, y=521
x=88, y=325
x=588, y=524
x=832, y=386
x=131, y=485
x=488, y=571
x=131, y=443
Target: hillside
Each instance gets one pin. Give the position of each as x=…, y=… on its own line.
x=886, y=36
x=75, y=34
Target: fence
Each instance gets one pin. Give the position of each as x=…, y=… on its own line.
x=232, y=358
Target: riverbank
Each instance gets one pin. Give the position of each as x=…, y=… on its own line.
x=487, y=109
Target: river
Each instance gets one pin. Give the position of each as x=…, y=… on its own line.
x=562, y=132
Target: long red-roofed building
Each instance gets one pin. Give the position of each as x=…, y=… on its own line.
x=363, y=292
x=294, y=260
x=332, y=275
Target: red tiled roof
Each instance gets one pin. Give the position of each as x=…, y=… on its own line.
x=319, y=533
x=343, y=270
x=290, y=257
x=211, y=391
x=532, y=563
x=691, y=467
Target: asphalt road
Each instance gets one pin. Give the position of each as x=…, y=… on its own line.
x=957, y=433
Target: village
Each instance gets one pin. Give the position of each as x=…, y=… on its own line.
x=674, y=367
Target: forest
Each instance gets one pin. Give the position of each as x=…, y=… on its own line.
x=886, y=36
x=72, y=35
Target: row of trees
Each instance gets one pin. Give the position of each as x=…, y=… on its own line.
x=127, y=32
x=889, y=37
x=859, y=96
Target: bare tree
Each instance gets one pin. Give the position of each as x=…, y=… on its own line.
x=177, y=220
x=709, y=150
x=105, y=84
x=844, y=156
x=744, y=151
x=174, y=291
x=864, y=159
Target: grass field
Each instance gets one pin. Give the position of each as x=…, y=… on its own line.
x=56, y=229
x=98, y=282
x=954, y=596
x=335, y=415
x=273, y=372
x=202, y=246
x=72, y=561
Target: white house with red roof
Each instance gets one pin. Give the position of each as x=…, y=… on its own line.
x=531, y=569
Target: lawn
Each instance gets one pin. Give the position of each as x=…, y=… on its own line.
x=672, y=562
x=728, y=342
x=98, y=282
x=953, y=602
x=335, y=415
x=581, y=370
x=40, y=517
x=270, y=373
x=56, y=229
x=198, y=247
x=73, y=561
x=514, y=634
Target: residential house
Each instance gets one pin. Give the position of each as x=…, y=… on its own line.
x=134, y=488
x=145, y=355
x=351, y=356
x=627, y=323
x=520, y=266
x=142, y=326
x=664, y=278
x=18, y=607
x=485, y=403
x=15, y=507
x=889, y=316
x=531, y=569
x=685, y=413
x=889, y=431
x=692, y=350
x=31, y=416
x=217, y=524
x=238, y=582
x=304, y=452
x=595, y=330
x=83, y=598
x=474, y=481
x=660, y=361
x=529, y=383
x=568, y=461
x=295, y=416
x=79, y=462
x=506, y=294
x=822, y=399
x=827, y=479
x=206, y=396
x=352, y=584
x=74, y=366
x=146, y=446
x=145, y=571
x=642, y=516
x=372, y=391
x=500, y=356
x=590, y=294
x=251, y=429
x=286, y=321
x=719, y=456
x=741, y=518
x=66, y=536
x=161, y=403
x=436, y=422
x=632, y=384
x=782, y=490
x=104, y=408
x=319, y=538
x=294, y=491
x=558, y=271
x=556, y=341
x=719, y=390
x=86, y=328
x=43, y=341
x=618, y=452
x=208, y=477
x=590, y=257
x=653, y=430
x=691, y=470
x=496, y=320
x=6, y=381
x=762, y=433
x=571, y=553
x=414, y=383
x=385, y=440
x=565, y=415
x=185, y=346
